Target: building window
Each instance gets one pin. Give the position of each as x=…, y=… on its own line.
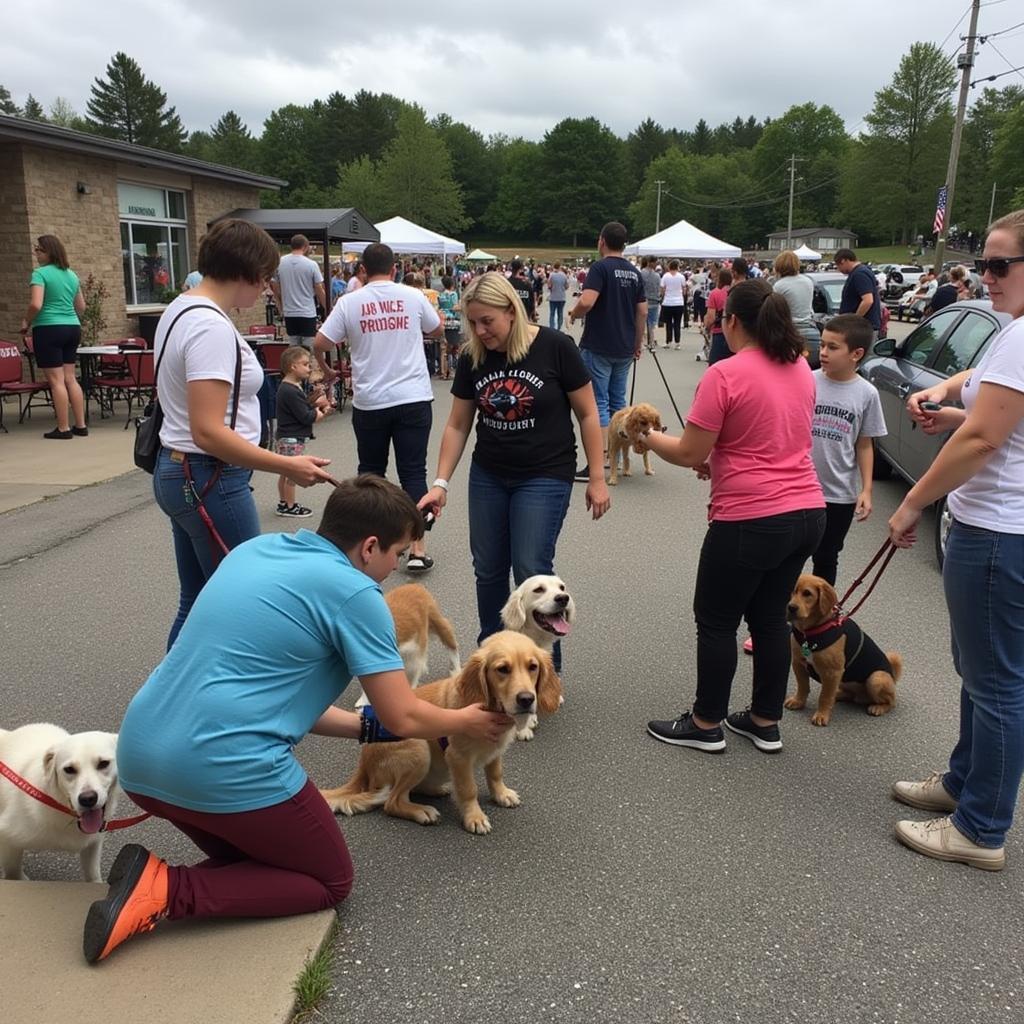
x=154, y=242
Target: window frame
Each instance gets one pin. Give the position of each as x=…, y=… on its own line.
x=164, y=222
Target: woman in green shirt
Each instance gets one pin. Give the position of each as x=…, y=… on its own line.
x=55, y=302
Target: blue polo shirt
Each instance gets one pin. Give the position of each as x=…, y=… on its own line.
x=270, y=643
x=610, y=327
x=859, y=282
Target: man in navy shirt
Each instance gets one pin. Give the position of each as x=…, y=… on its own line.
x=615, y=305
x=860, y=293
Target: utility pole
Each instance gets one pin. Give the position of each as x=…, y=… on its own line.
x=965, y=62
x=992, y=205
x=792, y=182
x=657, y=216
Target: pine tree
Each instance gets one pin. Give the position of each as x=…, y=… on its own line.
x=34, y=109
x=65, y=115
x=129, y=107
x=7, y=105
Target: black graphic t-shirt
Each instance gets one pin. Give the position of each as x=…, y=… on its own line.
x=524, y=419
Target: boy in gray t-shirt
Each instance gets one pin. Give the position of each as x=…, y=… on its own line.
x=847, y=415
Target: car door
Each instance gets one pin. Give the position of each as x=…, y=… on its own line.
x=960, y=350
x=896, y=376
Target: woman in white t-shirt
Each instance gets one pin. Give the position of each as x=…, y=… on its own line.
x=981, y=468
x=209, y=439
x=673, y=300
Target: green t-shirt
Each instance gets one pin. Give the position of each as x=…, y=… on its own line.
x=59, y=290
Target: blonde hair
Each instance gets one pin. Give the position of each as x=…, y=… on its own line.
x=1012, y=222
x=493, y=289
x=290, y=356
x=787, y=263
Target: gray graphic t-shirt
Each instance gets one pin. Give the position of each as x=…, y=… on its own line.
x=843, y=411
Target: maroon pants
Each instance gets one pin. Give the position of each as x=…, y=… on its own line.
x=290, y=858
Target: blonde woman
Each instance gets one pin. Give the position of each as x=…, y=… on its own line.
x=524, y=383
x=799, y=292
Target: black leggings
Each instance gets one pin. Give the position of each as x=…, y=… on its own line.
x=673, y=318
x=747, y=569
x=55, y=345
x=837, y=524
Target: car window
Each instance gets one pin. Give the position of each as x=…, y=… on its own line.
x=921, y=343
x=819, y=304
x=963, y=344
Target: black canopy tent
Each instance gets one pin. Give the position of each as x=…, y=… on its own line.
x=323, y=226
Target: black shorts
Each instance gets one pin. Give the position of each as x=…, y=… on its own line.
x=300, y=326
x=55, y=344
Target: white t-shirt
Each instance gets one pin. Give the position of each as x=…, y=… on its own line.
x=384, y=324
x=298, y=277
x=993, y=498
x=203, y=347
x=673, y=285
x=354, y=284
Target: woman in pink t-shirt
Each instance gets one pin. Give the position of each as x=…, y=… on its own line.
x=749, y=432
x=715, y=315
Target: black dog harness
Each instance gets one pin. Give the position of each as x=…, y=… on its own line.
x=863, y=656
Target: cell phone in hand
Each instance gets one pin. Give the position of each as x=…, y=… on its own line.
x=929, y=406
x=429, y=517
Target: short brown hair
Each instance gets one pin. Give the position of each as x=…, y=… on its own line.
x=844, y=254
x=614, y=235
x=855, y=331
x=299, y=242
x=1013, y=223
x=787, y=263
x=724, y=277
x=235, y=250
x=369, y=506
x=290, y=356
x=54, y=249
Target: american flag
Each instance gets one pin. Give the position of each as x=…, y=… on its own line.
x=940, y=209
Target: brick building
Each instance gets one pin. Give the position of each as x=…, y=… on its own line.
x=129, y=215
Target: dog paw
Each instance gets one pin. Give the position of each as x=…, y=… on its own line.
x=526, y=733
x=794, y=703
x=820, y=718
x=426, y=815
x=614, y=481
x=627, y=472
x=648, y=472
x=507, y=798
x=340, y=805
x=878, y=709
x=477, y=822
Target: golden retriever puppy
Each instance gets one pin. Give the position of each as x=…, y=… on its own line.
x=624, y=430
x=542, y=609
x=834, y=650
x=77, y=770
x=508, y=673
x=417, y=615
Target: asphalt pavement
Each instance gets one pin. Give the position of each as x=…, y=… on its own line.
x=637, y=882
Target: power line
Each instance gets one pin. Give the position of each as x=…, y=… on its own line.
x=1002, y=32
x=955, y=27
x=740, y=206
x=1006, y=62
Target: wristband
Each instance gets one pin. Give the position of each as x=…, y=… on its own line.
x=442, y=483
x=372, y=730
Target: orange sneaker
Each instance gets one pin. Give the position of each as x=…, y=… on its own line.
x=137, y=899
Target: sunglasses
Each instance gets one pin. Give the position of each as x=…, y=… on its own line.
x=999, y=266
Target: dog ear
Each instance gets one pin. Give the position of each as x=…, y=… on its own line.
x=549, y=686
x=827, y=599
x=472, y=681
x=50, y=762
x=513, y=615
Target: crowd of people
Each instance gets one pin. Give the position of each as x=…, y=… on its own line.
x=207, y=743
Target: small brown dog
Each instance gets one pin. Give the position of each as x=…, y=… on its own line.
x=508, y=673
x=834, y=650
x=624, y=431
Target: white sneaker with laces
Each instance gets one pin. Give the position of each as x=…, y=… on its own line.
x=928, y=795
x=941, y=839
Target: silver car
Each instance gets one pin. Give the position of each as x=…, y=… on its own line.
x=953, y=339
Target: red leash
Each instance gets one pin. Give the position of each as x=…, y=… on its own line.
x=44, y=798
x=888, y=549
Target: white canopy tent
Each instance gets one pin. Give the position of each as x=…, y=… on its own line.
x=807, y=255
x=684, y=240
x=479, y=256
x=405, y=237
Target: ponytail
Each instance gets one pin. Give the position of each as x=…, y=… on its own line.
x=766, y=317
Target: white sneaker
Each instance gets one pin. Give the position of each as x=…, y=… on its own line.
x=941, y=839
x=929, y=794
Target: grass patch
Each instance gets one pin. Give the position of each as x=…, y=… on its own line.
x=899, y=254
x=314, y=980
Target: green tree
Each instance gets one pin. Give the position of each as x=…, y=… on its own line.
x=284, y=147
x=645, y=142
x=416, y=176
x=127, y=106
x=907, y=142
x=359, y=186
x=375, y=118
x=701, y=141
x=231, y=143
x=64, y=114
x=516, y=207
x=585, y=179
x=473, y=164
x=34, y=109
x=7, y=105
x=1006, y=158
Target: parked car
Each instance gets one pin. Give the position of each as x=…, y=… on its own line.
x=899, y=278
x=828, y=293
x=953, y=339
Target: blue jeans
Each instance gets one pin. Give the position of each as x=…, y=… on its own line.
x=719, y=348
x=983, y=575
x=514, y=525
x=555, y=311
x=609, y=378
x=407, y=427
x=231, y=507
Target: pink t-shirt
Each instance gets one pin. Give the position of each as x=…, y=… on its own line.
x=762, y=411
x=716, y=302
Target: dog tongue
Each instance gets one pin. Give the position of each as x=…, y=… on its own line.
x=558, y=623
x=91, y=821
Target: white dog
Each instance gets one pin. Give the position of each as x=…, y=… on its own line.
x=542, y=609
x=78, y=771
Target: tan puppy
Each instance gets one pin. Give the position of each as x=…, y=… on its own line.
x=508, y=673
x=416, y=615
x=838, y=653
x=624, y=431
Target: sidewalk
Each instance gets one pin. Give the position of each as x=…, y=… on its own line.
x=216, y=972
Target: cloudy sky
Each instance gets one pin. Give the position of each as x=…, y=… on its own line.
x=513, y=68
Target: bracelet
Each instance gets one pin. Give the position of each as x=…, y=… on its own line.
x=442, y=483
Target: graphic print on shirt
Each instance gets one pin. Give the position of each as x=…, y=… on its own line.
x=383, y=315
x=833, y=422
x=506, y=399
